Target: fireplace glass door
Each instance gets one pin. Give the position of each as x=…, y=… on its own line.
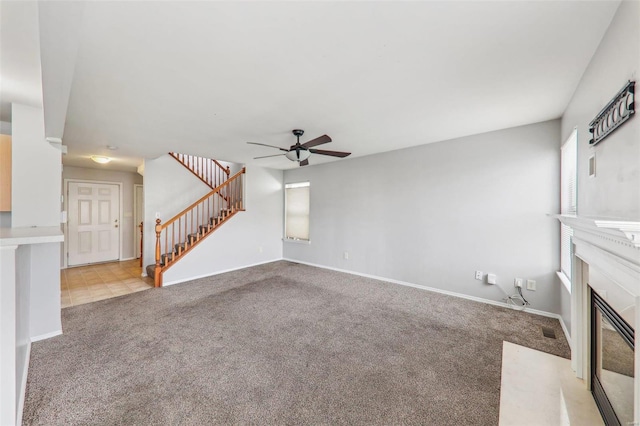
x=612, y=363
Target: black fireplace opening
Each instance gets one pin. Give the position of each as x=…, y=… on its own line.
x=612, y=362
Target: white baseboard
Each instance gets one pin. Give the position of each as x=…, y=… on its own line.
x=46, y=336
x=127, y=258
x=219, y=272
x=437, y=290
x=23, y=386
x=393, y=281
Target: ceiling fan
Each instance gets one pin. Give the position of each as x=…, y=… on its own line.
x=301, y=152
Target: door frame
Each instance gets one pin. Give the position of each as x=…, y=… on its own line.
x=136, y=229
x=65, y=254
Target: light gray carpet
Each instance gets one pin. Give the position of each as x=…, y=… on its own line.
x=279, y=344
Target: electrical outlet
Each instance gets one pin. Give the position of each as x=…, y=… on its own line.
x=260, y=249
x=479, y=275
x=346, y=255
x=531, y=285
x=518, y=282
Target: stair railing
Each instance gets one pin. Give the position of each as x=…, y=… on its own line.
x=207, y=170
x=186, y=229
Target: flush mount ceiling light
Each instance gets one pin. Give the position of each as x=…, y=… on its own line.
x=100, y=159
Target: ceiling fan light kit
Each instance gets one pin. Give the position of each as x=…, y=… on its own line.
x=301, y=152
x=298, y=155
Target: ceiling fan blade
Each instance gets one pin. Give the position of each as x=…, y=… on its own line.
x=270, y=146
x=304, y=162
x=317, y=141
x=267, y=156
x=331, y=153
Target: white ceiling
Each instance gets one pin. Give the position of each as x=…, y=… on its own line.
x=20, y=78
x=205, y=77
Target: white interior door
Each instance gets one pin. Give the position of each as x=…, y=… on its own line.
x=139, y=216
x=94, y=223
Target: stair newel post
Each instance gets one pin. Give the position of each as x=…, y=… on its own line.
x=157, y=275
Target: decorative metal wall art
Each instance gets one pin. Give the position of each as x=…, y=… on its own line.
x=618, y=110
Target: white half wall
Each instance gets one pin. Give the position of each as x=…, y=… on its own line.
x=615, y=190
x=250, y=237
x=10, y=334
x=434, y=214
x=45, y=320
x=36, y=171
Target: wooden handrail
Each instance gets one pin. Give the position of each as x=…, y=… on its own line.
x=204, y=197
x=184, y=231
x=208, y=170
x=227, y=170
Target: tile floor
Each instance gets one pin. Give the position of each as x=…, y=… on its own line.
x=91, y=283
x=541, y=389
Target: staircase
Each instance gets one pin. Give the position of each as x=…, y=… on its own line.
x=208, y=170
x=180, y=234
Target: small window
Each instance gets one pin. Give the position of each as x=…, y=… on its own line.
x=296, y=211
x=568, y=199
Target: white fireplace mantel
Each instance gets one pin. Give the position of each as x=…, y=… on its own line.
x=612, y=247
x=622, y=231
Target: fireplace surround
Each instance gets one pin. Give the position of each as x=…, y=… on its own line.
x=606, y=262
x=612, y=362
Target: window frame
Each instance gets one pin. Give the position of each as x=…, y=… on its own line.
x=293, y=185
x=568, y=204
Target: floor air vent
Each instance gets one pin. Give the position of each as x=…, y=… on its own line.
x=548, y=332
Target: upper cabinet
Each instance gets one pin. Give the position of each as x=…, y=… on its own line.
x=5, y=173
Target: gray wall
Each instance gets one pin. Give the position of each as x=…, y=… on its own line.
x=127, y=179
x=615, y=191
x=5, y=217
x=5, y=127
x=432, y=215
